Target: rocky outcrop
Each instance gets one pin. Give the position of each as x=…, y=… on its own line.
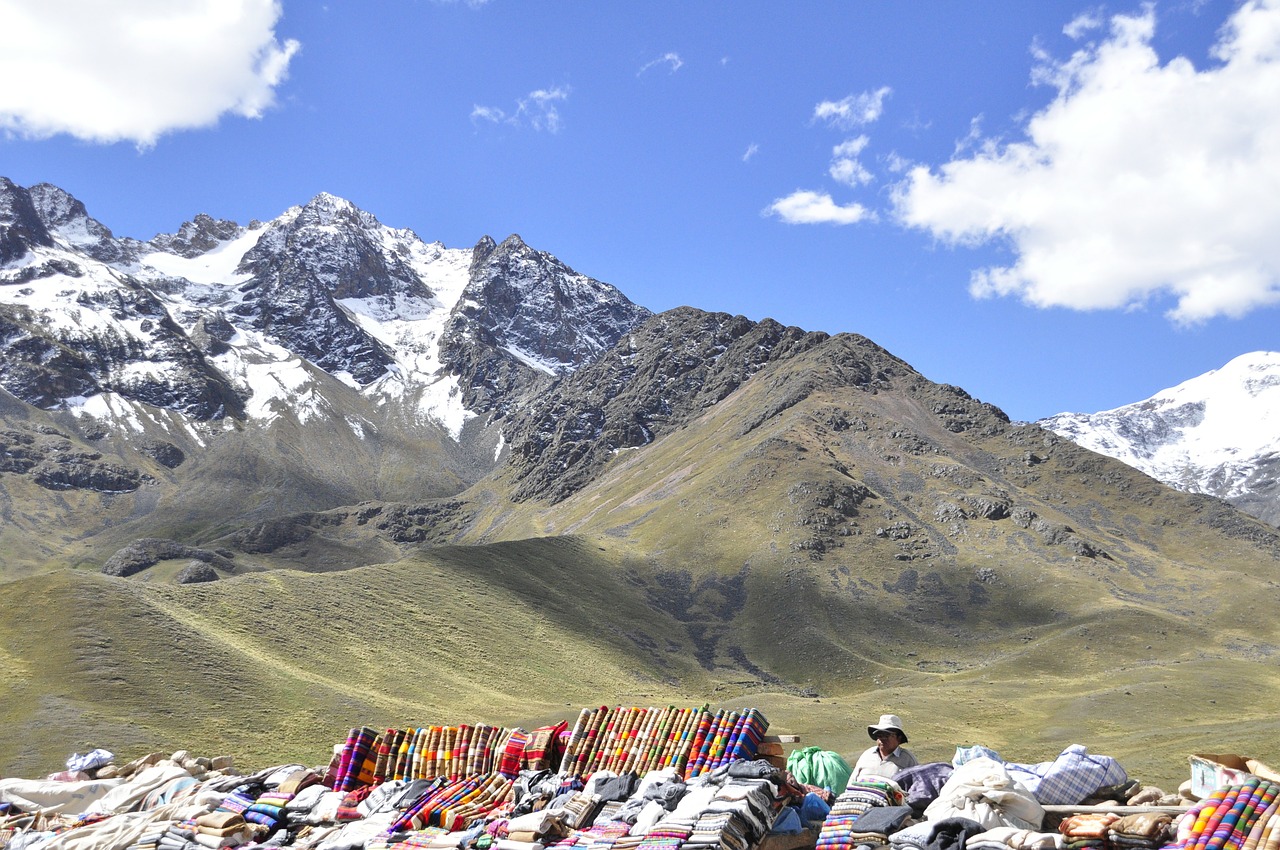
x=149, y=551
x=52, y=460
x=197, y=572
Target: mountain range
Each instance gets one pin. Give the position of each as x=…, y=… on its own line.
x=261, y=483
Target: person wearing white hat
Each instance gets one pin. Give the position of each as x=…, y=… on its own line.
x=888, y=756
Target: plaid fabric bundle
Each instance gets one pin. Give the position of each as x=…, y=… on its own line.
x=1070, y=778
x=349, y=808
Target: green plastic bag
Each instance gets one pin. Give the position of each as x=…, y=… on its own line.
x=823, y=768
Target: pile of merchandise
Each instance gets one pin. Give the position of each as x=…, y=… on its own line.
x=647, y=778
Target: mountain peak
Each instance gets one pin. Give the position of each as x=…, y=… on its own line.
x=1216, y=433
x=326, y=210
x=21, y=226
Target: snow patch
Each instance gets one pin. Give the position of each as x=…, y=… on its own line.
x=215, y=266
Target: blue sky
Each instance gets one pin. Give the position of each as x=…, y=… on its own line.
x=1058, y=206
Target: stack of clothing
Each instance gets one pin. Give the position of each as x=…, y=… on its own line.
x=1141, y=831
x=718, y=831
x=1087, y=831
x=580, y=809
x=240, y=798
x=178, y=837
x=599, y=836
x=149, y=840
x=873, y=827
x=946, y=834
x=544, y=827
x=670, y=833
x=738, y=817
x=224, y=829
x=983, y=790
x=423, y=839
x=858, y=797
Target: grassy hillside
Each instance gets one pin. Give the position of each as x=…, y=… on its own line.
x=275, y=667
x=834, y=538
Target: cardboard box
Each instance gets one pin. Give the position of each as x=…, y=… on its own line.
x=1211, y=771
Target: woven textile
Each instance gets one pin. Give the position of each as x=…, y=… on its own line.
x=638, y=740
x=1231, y=818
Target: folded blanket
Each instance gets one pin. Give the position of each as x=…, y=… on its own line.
x=1093, y=825
x=217, y=820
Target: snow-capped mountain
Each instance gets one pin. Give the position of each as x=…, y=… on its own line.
x=1218, y=433
x=223, y=323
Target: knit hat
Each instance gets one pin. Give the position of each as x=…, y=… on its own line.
x=888, y=722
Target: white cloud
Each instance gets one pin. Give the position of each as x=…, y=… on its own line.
x=854, y=110
x=845, y=167
x=1083, y=24
x=136, y=69
x=752, y=150
x=671, y=60
x=1139, y=181
x=805, y=207
x=491, y=114
x=538, y=110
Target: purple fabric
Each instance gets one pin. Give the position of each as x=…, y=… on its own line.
x=922, y=783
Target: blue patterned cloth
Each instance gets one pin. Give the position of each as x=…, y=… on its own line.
x=1069, y=779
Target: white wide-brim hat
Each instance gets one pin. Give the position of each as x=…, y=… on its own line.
x=888, y=722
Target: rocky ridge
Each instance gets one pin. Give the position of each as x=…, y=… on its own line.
x=229, y=325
